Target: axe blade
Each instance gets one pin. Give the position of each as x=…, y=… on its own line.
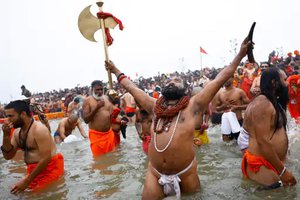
x=88, y=24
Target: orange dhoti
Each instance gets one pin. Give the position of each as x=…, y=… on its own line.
x=101, y=142
x=254, y=162
x=53, y=171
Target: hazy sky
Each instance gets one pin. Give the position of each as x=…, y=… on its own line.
x=42, y=48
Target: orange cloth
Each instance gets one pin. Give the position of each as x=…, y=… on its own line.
x=254, y=162
x=52, y=172
x=129, y=110
x=101, y=142
x=155, y=95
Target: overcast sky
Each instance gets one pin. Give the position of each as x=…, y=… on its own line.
x=42, y=48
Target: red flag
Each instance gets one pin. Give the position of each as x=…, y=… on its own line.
x=202, y=50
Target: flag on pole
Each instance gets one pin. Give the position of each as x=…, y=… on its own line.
x=202, y=50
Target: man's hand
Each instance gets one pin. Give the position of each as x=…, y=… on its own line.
x=20, y=186
x=234, y=108
x=109, y=65
x=288, y=179
x=100, y=103
x=244, y=47
x=6, y=128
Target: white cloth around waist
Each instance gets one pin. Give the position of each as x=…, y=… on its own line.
x=170, y=183
x=229, y=123
x=243, y=139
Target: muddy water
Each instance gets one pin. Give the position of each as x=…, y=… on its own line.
x=121, y=173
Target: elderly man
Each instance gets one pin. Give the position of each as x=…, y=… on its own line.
x=265, y=122
x=66, y=127
x=44, y=165
x=172, y=165
x=97, y=110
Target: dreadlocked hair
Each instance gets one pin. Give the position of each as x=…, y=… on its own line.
x=267, y=89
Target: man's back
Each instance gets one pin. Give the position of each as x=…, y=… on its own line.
x=261, y=113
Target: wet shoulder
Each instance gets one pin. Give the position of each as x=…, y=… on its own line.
x=39, y=128
x=260, y=105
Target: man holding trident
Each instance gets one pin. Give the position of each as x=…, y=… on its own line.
x=172, y=165
x=97, y=109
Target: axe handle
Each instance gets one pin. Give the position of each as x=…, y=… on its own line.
x=105, y=47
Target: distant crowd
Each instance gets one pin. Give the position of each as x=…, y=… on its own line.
x=58, y=101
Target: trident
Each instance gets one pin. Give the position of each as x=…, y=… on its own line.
x=88, y=24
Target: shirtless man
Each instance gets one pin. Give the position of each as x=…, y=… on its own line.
x=216, y=117
x=172, y=166
x=129, y=105
x=43, y=164
x=255, y=88
x=97, y=111
x=73, y=106
x=265, y=122
x=143, y=126
x=232, y=101
x=118, y=123
x=66, y=126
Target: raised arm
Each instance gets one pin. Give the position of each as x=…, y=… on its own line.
x=142, y=98
x=209, y=91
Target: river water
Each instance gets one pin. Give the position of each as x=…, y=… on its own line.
x=121, y=173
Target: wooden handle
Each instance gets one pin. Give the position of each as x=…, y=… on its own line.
x=100, y=4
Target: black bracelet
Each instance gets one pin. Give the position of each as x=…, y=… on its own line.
x=5, y=151
x=120, y=76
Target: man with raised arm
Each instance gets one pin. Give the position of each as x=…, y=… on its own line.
x=44, y=165
x=172, y=166
x=97, y=110
x=265, y=122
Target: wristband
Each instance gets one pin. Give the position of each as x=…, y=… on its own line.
x=7, y=151
x=118, y=77
x=121, y=78
x=282, y=172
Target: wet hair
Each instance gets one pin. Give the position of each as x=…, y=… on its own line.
x=74, y=116
x=96, y=82
x=19, y=106
x=267, y=89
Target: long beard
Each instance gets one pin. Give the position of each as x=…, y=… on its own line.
x=282, y=93
x=96, y=96
x=173, y=93
x=19, y=123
